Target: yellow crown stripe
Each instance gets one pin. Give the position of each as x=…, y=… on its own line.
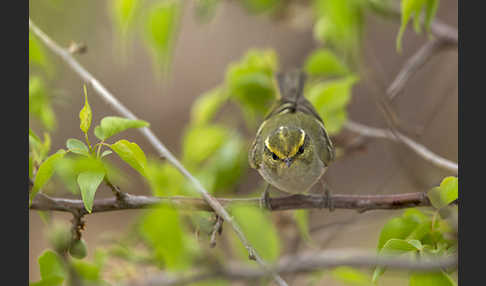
x=292, y=152
x=301, y=142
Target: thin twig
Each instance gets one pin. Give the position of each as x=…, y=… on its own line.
x=150, y=136
x=357, y=202
x=305, y=263
x=413, y=64
x=217, y=229
x=421, y=150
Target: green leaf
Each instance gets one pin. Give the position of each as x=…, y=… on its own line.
x=396, y=228
x=259, y=230
x=106, y=153
x=351, y=276
x=340, y=24
x=335, y=120
x=132, y=154
x=123, y=12
x=250, y=81
x=162, y=229
x=323, y=62
x=431, y=279
x=164, y=179
x=330, y=100
x=36, y=52
x=88, y=184
x=301, y=217
x=416, y=243
x=200, y=142
x=40, y=103
x=445, y=194
x=329, y=96
x=161, y=28
x=78, y=147
x=112, y=125
x=394, y=247
x=39, y=149
x=227, y=164
x=431, y=7
x=51, y=265
x=69, y=168
x=85, y=114
x=399, y=246
x=414, y=8
x=87, y=271
x=45, y=172
x=207, y=105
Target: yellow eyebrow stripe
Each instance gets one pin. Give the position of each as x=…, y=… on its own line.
x=276, y=152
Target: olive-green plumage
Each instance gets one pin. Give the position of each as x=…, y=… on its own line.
x=291, y=150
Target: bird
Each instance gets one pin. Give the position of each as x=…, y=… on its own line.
x=291, y=149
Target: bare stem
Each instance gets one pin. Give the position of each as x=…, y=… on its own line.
x=420, y=149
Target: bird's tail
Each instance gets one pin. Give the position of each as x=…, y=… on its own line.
x=291, y=86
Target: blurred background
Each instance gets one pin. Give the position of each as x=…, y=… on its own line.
x=202, y=51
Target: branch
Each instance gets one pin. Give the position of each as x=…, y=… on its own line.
x=304, y=263
x=358, y=202
x=414, y=63
x=67, y=57
x=421, y=150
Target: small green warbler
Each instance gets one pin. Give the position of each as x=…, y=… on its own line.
x=292, y=149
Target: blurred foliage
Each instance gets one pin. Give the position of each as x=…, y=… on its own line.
x=351, y=276
x=162, y=229
x=414, y=9
x=339, y=25
x=161, y=28
x=37, y=55
x=416, y=233
x=250, y=83
x=260, y=231
x=214, y=150
x=40, y=103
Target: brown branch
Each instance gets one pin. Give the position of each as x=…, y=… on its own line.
x=305, y=263
x=357, y=202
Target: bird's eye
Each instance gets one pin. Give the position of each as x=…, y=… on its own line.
x=274, y=156
x=301, y=150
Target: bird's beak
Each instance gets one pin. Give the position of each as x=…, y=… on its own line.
x=288, y=162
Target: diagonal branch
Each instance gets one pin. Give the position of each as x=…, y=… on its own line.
x=358, y=202
x=421, y=150
x=67, y=57
x=414, y=63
